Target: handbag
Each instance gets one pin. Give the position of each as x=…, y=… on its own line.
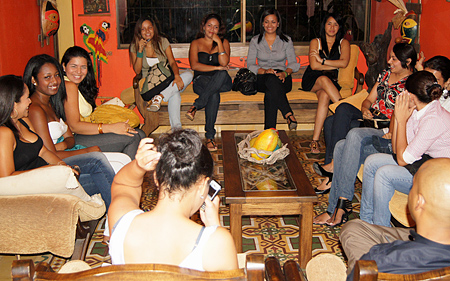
x=414, y=167
x=245, y=82
x=159, y=77
x=379, y=120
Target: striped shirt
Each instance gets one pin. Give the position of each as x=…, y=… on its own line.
x=428, y=132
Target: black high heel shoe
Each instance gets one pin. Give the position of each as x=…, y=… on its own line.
x=321, y=171
x=291, y=123
x=346, y=206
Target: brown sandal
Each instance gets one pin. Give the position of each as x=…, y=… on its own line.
x=211, y=145
x=314, y=146
x=191, y=113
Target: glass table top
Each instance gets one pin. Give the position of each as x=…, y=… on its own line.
x=258, y=177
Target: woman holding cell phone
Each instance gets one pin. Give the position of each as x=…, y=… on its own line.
x=183, y=169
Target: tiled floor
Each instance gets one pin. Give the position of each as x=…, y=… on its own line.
x=275, y=236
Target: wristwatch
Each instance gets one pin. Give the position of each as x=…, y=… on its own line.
x=323, y=62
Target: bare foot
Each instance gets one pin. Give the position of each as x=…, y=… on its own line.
x=326, y=184
x=337, y=218
x=329, y=167
x=322, y=219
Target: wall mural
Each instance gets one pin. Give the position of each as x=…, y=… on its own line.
x=95, y=41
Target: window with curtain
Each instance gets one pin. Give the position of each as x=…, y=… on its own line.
x=179, y=20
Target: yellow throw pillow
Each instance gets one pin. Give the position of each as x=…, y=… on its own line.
x=110, y=113
x=356, y=100
x=346, y=76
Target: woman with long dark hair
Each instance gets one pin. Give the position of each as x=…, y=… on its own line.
x=82, y=92
x=421, y=131
x=271, y=56
x=326, y=55
x=209, y=55
x=21, y=149
x=148, y=48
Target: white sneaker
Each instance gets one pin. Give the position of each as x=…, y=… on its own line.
x=155, y=103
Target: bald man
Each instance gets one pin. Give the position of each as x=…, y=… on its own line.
x=403, y=250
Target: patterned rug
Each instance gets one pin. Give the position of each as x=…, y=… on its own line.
x=272, y=236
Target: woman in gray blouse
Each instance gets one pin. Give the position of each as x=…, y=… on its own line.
x=272, y=49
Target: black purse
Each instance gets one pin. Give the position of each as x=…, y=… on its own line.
x=245, y=82
x=414, y=167
x=379, y=120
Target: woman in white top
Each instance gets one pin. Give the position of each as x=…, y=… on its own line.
x=82, y=92
x=182, y=168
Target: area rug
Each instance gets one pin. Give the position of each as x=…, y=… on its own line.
x=272, y=236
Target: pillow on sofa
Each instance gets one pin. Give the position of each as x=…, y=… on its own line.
x=346, y=76
x=47, y=180
x=356, y=100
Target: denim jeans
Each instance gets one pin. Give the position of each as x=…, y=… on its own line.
x=96, y=174
x=208, y=89
x=111, y=142
x=338, y=125
x=382, y=176
x=274, y=97
x=171, y=95
x=349, y=154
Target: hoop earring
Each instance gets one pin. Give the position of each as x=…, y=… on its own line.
x=17, y=114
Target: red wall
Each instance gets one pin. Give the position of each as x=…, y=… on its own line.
x=434, y=28
x=116, y=75
x=19, y=30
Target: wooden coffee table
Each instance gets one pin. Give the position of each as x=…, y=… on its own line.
x=243, y=181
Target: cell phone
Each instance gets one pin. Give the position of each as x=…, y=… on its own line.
x=214, y=189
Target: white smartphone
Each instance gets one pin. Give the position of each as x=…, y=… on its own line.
x=214, y=189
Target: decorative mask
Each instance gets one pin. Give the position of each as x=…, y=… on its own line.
x=49, y=18
x=409, y=30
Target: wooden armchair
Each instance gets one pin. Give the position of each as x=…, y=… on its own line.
x=368, y=271
x=26, y=270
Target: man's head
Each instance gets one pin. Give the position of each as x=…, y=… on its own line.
x=429, y=197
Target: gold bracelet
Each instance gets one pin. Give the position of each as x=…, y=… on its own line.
x=100, y=128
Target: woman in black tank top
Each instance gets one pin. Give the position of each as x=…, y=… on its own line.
x=209, y=56
x=326, y=55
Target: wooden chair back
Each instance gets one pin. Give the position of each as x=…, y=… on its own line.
x=368, y=271
x=254, y=270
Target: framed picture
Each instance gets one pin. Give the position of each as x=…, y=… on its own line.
x=95, y=6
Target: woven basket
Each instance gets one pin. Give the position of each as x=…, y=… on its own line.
x=245, y=151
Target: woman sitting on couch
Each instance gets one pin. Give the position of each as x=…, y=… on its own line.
x=21, y=149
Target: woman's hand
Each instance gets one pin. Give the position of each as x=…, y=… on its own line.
x=366, y=113
x=219, y=67
x=420, y=60
x=121, y=128
x=216, y=39
x=147, y=156
x=142, y=44
x=403, y=108
x=315, y=55
x=269, y=71
x=281, y=75
x=177, y=80
x=387, y=136
x=210, y=214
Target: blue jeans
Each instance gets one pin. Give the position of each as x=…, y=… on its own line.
x=111, y=142
x=96, y=174
x=382, y=176
x=338, y=125
x=208, y=89
x=274, y=97
x=171, y=95
x=349, y=154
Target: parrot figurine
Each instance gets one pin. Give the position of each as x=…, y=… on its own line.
x=95, y=41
